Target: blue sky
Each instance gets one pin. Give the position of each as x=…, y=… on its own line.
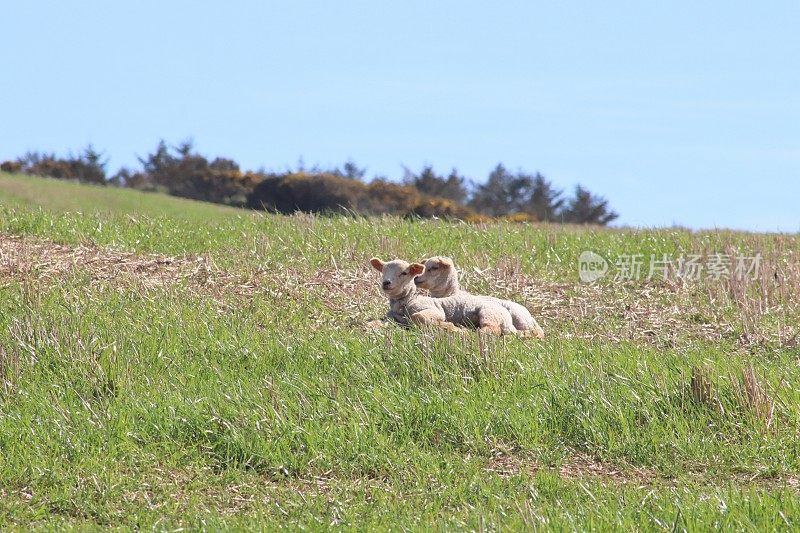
x=678, y=112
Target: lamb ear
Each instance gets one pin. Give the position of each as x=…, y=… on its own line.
x=446, y=262
x=377, y=264
x=416, y=269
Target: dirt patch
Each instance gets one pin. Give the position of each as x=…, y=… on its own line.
x=172, y=485
x=577, y=466
x=580, y=466
x=26, y=258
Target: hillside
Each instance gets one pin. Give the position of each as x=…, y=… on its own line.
x=167, y=363
x=58, y=195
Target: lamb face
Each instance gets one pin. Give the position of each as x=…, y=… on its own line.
x=398, y=276
x=439, y=277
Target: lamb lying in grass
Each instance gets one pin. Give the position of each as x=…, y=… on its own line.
x=463, y=309
x=441, y=279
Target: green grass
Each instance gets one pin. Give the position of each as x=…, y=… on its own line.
x=197, y=403
x=60, y=195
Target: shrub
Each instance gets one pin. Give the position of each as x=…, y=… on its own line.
x=11, y=166
x=190, y=175
x=87, y=167
x=313, y=193
x=328, y=193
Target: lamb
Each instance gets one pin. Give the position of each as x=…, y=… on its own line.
x=407, y=305
x=441, y=280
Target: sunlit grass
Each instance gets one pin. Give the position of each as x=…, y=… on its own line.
x=196, y=405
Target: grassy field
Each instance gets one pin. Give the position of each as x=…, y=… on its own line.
x=170, y=364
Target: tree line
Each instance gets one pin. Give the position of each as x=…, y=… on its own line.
x=181, y=171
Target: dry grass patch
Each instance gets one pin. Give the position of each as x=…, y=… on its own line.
x=579, y=466
x=576, y=466
x=48, y=263
x=25, y=258
x=181, y=487
x=657, y=313
x=753, y=311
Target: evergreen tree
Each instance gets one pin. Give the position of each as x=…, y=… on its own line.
x=453, y=187
x=587, y=208
x=545, y=201
x=503, y=193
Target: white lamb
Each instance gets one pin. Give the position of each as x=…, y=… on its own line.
x=441, y=279
x=407, y=305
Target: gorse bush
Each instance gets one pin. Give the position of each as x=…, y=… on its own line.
x=11, y=166
x=325, y=192
x=181, y=171
x=88, y=167
x=191, y=175
x=313, y=193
